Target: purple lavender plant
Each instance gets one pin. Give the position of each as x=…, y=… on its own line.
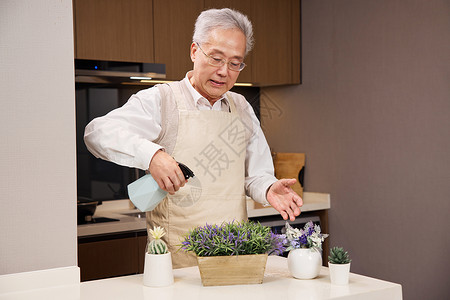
x=235, y=238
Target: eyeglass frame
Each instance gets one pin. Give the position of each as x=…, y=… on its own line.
x=212, y=60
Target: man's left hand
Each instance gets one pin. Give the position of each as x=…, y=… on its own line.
x=284, y=199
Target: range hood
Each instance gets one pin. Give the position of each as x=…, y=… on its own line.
x=117, y=72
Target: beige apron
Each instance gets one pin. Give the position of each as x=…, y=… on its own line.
x=212, y=144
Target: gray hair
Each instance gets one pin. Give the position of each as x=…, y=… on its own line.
x=224, y=18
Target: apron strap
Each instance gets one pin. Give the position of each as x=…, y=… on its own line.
x=231, y=102
x=178, y=93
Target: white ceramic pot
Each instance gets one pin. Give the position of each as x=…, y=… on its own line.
x=339, y=273
x=158, y=270
x=304, y=263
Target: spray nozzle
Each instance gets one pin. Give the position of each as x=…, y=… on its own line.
x=186, y=171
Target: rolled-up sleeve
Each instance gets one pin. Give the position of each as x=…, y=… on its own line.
x=125, y=135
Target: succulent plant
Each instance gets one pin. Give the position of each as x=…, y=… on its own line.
x=339, y=256
x=157, y=245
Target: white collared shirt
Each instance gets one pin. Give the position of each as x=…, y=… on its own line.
x=202, y=103
x=124, y=136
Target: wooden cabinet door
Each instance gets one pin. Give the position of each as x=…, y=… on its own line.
x=173, y=28
x=273, y=59
x=117, y=30
x=108, y=258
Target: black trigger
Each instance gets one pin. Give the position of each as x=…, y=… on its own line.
x=186, y=171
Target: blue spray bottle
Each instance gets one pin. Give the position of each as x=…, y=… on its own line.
x=145, y=192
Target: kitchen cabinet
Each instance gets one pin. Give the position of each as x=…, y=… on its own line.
x=174, y=25
x=111, y=255
x=276, y=59
x=115, y=30
x=161, y=31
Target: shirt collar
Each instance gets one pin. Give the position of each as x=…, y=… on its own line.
x=196, y=95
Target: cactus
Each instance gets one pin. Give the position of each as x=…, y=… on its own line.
x=157, y=245
x=339, y=256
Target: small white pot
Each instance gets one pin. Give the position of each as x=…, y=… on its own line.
x=339, y=273
x=158, y=270
x=304, y=263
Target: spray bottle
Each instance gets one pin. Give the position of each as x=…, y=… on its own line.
x=145, y=192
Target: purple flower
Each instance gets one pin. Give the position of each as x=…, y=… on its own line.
x=295, y=244
x=277, y=244
x=307, y=237
x=303, y=240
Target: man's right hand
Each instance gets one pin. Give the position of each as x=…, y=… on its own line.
x=164, y=169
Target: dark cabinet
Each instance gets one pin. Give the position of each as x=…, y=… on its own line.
x=111, y=255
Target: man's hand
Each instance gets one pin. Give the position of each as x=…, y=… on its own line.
x=284, y=199
x=165, y=171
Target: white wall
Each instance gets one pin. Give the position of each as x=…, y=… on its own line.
x=373, y=117
x=37, y=134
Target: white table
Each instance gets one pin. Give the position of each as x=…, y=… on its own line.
x=277, y=284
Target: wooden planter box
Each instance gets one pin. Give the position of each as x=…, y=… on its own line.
x=231, y=270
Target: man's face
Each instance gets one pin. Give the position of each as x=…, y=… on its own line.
x=212, y=82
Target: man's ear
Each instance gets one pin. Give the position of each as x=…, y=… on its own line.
x=194, y=49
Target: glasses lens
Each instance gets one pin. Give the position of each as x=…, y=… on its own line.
x=216, y=62
x=236, y=66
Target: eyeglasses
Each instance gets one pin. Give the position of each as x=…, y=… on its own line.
x=219, y=62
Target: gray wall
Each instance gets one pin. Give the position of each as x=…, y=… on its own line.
x=37, y=133
x=372, y=116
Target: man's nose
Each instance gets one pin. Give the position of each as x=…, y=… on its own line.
x=223, y=70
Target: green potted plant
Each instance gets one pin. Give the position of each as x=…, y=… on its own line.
x=158, y=260
x=232, y=253
x=339, y=265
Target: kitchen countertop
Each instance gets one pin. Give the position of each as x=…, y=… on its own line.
x=131, y=219
x=311, y=202
x=277, y=283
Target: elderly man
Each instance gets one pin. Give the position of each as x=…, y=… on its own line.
x=199, y=122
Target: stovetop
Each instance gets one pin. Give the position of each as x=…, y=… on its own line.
x=98, y=220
